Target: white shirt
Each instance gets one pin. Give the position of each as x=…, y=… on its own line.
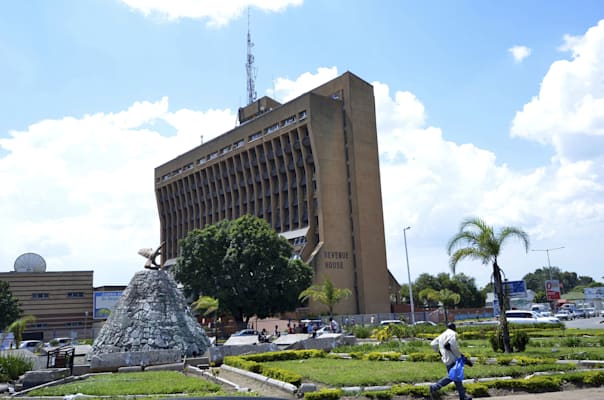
x=438, y=344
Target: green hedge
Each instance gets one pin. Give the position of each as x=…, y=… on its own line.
x=325, y=394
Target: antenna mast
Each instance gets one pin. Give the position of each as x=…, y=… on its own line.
x=249, y=65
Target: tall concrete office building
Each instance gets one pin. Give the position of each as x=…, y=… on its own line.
x=310, y=168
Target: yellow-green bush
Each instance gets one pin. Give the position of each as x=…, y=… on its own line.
x=283, y=375
x=325, y=394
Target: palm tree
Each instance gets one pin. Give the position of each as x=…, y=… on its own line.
x=207, y=304
x=18, y=327
x=446, y=297
x=325, y=293
x=483, y=244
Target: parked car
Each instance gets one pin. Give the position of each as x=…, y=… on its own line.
x=391, y=322
x=590, y=312
x=580, y=313
x=246, y=332
x=566, y=315
x=425, y=323
x=529, y=317
x=31, y=345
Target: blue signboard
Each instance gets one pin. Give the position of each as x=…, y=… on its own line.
x=104, y=303
x=515, y=288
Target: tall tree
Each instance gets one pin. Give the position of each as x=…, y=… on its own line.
x=244, y=264
x=444, y=297
x=459, y=283
x=325, y=293
x=477, y=240
x=9, y=306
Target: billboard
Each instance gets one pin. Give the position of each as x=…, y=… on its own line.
x=552, y=290
x=594, y=293
x=104, y=303
x=515, y=289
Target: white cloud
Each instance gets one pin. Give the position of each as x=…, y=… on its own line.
x=568, y=112
x=80, y=190
x=519, y=53
x=217, y=13
x=286, y=89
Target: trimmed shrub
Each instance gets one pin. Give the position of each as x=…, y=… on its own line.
x=477, y=389
x=239, y=362
x=283, y=375
x=519, y=341
x=325, y=394
x=362, y=332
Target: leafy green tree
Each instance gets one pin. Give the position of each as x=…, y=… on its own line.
x=446, y=297
x=245, y=265
x=540, y=297
x=325, y=293
x=458, y=283
x=9, y=306
x=477, y=240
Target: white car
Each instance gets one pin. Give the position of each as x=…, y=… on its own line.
x=566, y=315
x=528, y=317
x=391, y=322
x=31, y=345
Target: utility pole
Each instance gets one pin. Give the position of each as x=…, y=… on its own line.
x=409, y=276
x=549, y=265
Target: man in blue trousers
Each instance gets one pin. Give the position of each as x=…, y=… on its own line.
x=446, y=345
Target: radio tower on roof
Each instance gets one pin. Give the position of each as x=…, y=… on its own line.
x=249, y=65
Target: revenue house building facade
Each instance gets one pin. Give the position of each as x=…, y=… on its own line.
x=310, y=168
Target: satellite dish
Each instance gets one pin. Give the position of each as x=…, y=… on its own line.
x=30, y=262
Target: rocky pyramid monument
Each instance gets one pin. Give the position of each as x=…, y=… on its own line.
x=151, y=323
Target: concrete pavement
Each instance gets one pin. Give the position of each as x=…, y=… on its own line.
x=580, y=394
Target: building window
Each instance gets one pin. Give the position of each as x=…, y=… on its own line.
x=272, y=128
x=255, y=136
x=302, y=114
x=39, y=295
x=75, y=294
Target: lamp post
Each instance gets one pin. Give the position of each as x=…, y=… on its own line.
x=549, y=265
x=409, y=276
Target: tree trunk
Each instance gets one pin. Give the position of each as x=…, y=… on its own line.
x=501, y=298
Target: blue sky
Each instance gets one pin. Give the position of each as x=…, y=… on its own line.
x=95, y=94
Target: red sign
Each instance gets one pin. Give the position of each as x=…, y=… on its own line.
x=552, y=290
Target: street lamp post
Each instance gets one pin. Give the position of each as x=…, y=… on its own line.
x=549, y=265
x=409, y=276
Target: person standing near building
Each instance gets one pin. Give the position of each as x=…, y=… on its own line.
x=446, y=344
x=333, y=325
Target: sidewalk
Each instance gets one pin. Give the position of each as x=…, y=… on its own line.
x=581, y=394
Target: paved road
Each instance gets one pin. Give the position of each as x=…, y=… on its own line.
x=586, y=323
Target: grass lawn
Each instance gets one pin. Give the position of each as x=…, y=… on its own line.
x=135, y=383
x=369, y=373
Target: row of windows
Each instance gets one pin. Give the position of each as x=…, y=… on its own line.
x=47, y=295
x=269, y=181
x=273, y=128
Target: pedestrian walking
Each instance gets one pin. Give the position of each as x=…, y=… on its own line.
x=446, y=344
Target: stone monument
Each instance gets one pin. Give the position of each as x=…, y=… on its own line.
x=151, y=323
